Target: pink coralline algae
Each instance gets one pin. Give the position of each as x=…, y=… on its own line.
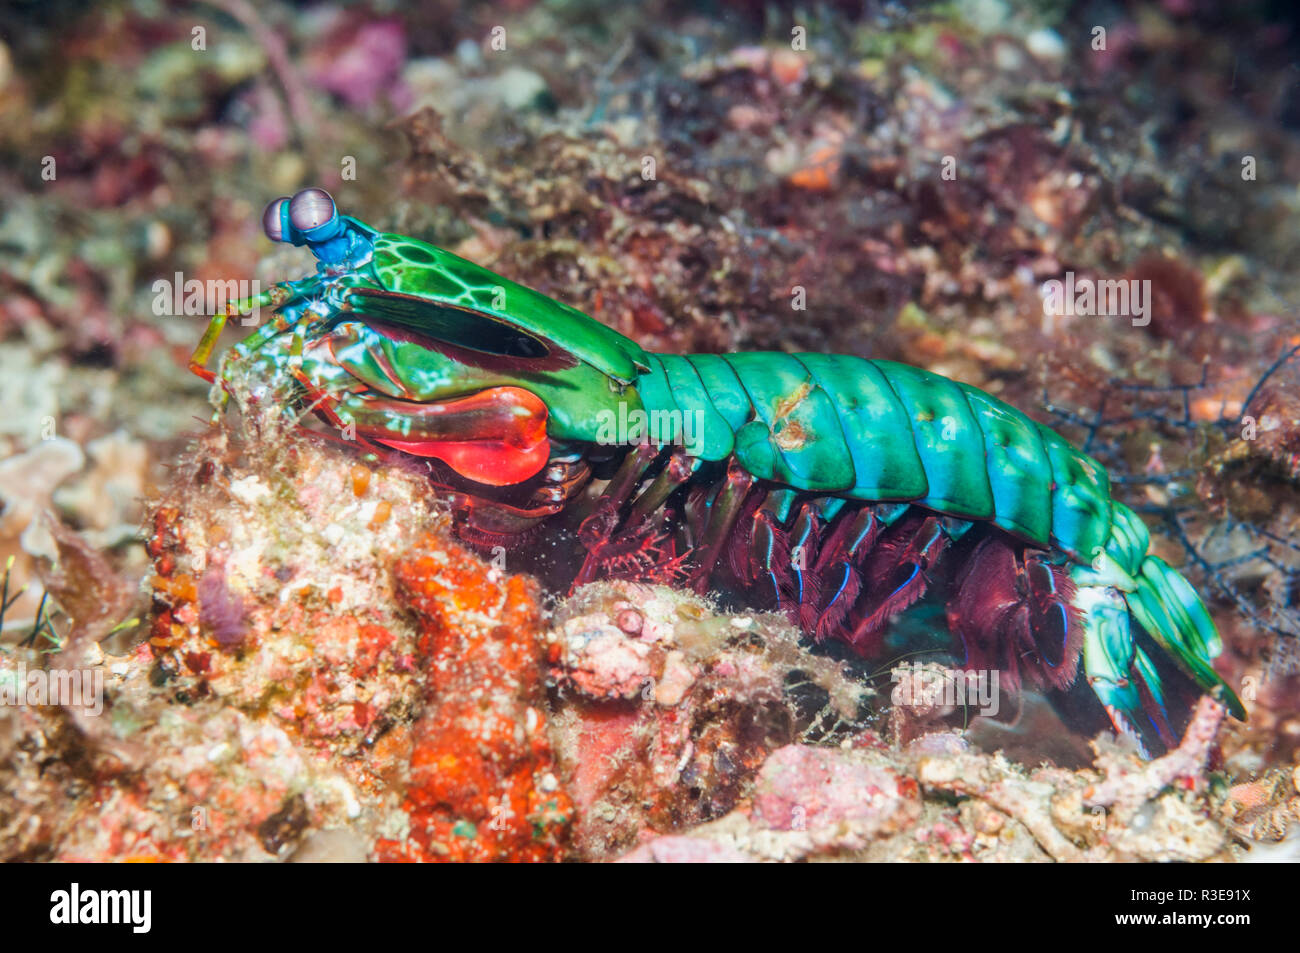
x=828, y=792
x=359, y=61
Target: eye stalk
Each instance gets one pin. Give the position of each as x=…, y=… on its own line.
x=310, y=209
x=273, y=219
x=311, y=218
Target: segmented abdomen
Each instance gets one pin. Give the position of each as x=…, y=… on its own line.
x=881, y=431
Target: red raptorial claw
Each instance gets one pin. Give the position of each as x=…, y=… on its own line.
x=496, y=437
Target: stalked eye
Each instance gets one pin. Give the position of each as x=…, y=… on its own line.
x=271, y=219
x=310, y=208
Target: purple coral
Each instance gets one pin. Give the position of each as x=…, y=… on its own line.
x=221, y=611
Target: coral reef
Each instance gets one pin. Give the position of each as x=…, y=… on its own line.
x=317, y=658
x=668, y=707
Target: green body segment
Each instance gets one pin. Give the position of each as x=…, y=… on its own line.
x=949, y=440
x=795, y=435
x=1129, y=538
x=1020, y=473
x=1080, y=498
x=880, y=431
x=1169, y=609
x=872, y=421
x=674, y=383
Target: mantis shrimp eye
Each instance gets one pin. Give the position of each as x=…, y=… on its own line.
x=271, y=219
x=310, y=209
